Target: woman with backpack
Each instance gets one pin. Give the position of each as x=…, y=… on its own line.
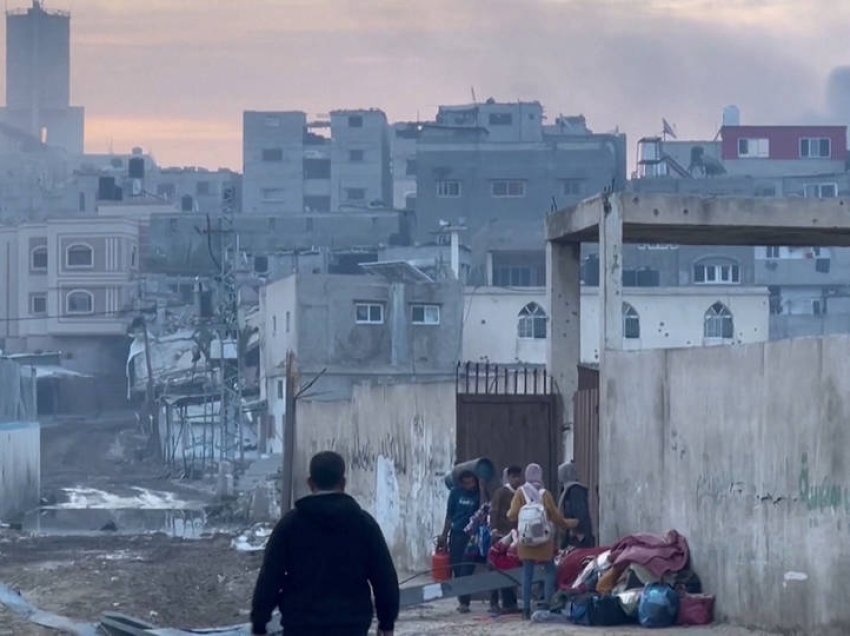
x=534, y=510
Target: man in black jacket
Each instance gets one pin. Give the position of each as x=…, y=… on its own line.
x=321, y=560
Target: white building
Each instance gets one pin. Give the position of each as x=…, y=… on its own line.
x=511, y=326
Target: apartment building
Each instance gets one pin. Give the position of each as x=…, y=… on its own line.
x=67, y=286
x=293, y=166
x=498, y=168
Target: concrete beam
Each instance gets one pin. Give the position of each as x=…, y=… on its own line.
x=694, y=220
x=563, y=275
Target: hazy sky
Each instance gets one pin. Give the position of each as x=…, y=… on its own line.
x=175, y=75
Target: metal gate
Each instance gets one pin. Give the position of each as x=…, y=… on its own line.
x=586, y=436
x=509, y=415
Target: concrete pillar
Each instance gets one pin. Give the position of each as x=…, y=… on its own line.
x=610, y=275
x=563, y=291
x=399, y=326
x=456, y=254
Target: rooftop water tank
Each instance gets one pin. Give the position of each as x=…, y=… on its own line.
x=731, y=116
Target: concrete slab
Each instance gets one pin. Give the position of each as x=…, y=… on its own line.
x=695, y=220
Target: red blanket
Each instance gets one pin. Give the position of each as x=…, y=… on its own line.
x=660, y=555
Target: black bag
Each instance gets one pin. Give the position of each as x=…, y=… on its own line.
x=598, y=611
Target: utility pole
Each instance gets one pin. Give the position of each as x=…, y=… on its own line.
x=288, y=455
x=227, y=326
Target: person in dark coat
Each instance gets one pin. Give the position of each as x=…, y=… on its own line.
x=464, y=502
x=574, y=503
x=323, y=563
x=501, y=526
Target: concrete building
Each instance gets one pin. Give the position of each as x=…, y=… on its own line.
x=394, y=326
x=67, y=286
x=293, y=166
x=500, y=163
x=510, y=326
x=197, y=189
x=404, y=165
x=752, y=432
x=38, y=78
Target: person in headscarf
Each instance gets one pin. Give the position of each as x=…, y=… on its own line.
x=533, y=491
x=500, y=527
x=574, y=503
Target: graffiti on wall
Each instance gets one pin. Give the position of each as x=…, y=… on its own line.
x=824, y=495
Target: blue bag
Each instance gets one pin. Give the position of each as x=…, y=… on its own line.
x=659, y=606
x=485, y=540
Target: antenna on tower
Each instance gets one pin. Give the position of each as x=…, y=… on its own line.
x=474, y=100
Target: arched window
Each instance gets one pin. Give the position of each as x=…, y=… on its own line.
x=717, y=271
x=79, y=301
x=631, y=322
x=38, y=258
x=532, y=322
x=719, y=323
x=79, y=255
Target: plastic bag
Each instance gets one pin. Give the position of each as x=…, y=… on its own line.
x=659, y=606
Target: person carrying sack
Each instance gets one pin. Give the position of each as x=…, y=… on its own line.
x=533, y=509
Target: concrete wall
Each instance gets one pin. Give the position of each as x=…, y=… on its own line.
x=669, y=318
x=398, y=442
x=20, y=468
x=743, y=450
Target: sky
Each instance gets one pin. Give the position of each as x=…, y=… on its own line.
x=174, y=76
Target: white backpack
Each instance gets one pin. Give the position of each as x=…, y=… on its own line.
x=533, y=524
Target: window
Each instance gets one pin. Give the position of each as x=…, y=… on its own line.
x=317, y=203
x=426, y=314
x=38, y=304
x=643, y=277
x=261, y=264
x=79, y=255
x=719, y=323
x=410, y=168
x=573, y=187
x=79, y=302
x=505, y=188
x=448, y=189
x=166, y=191
x=355, y=194
x=81, y=202
x=356, y=156
x=38, y=258
x=815, y=148
x=369, y=314
x=501, y=119
x=819, y=306
x=820, y=191
x=317, y=168
x=717, y=274
x=772, y=251
x=272, y=195
x=753, y=148
x=272, y=154
x=355, y=121
x=631, y=322
x=203, y=188
x=280, y=389
x=532, y=322
x=187, y=203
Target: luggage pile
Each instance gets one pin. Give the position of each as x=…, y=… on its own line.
x=643, y=578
